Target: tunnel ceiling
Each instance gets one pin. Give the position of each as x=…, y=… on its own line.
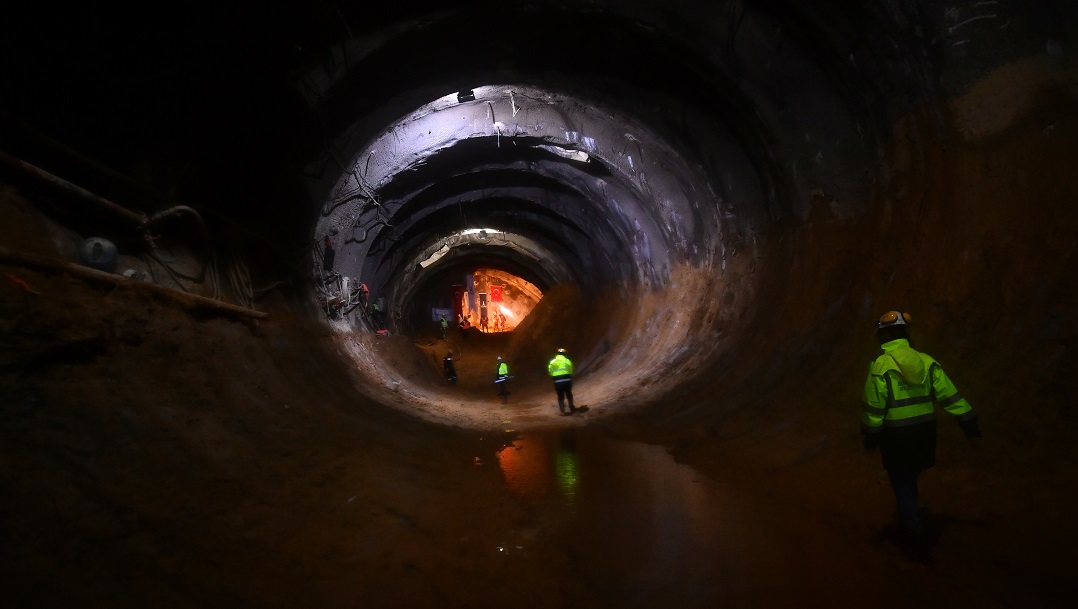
x=593, y=197
x=622, y=141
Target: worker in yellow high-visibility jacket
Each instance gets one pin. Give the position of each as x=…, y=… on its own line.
x=898, y=416
x=501, y=379
x=561, y=371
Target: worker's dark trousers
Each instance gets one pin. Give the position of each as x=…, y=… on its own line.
x=565, y=390
x=904, y=484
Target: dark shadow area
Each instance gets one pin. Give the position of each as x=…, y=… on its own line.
x=920, y=549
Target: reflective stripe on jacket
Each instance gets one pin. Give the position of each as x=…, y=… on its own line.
x=902, y=386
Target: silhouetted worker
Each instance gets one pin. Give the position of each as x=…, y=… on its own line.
x=376, y=316
x=501, y=379
x=330, y=255
x=561, y=370
x=898, y=417
x=450, y=368
x=445, y=326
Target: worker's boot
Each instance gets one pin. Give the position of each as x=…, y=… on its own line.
x=915, y=542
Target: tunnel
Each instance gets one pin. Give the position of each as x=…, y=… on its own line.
x=230, y=234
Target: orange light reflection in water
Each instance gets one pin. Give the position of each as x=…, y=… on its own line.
x=527, y=466
x=533, y=465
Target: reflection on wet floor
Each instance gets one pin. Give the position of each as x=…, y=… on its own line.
x=638, y=529
x=535, y=464
x=627, y=512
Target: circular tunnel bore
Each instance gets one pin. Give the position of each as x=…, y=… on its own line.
x=660, y=173
x=655, y=189
x=550, y=188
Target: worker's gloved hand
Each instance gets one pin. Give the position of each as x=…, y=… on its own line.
x=870, y=441
x=971, y=427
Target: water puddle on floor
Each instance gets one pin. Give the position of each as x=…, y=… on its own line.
x=635, y=528
x=634, y=522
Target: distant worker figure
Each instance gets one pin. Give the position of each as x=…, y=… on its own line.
x=377, y=317
x=483, y=323
x=561, y=370
x=898, y=417
x=450, y=368
x=329, y=255
x=501, y=379
x=445, y=326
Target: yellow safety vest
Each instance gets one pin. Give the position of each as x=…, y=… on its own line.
x=902, y=386
x=560, y=366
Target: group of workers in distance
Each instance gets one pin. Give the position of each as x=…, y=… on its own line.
x=497, y=325
x=560, y=369
x=465, y=323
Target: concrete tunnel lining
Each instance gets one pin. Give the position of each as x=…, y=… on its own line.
x=640, y=195
x=537, y=258
x=654, y=198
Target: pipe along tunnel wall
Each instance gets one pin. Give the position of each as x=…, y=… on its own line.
x=785, y=203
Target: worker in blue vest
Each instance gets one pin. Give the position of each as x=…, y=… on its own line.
x=561, y=371
x=898, y=418
x=501, y=379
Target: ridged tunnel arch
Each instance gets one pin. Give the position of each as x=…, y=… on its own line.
x=571, y=190
x=672, y=189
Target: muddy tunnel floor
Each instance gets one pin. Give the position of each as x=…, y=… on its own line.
x=152, y=458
